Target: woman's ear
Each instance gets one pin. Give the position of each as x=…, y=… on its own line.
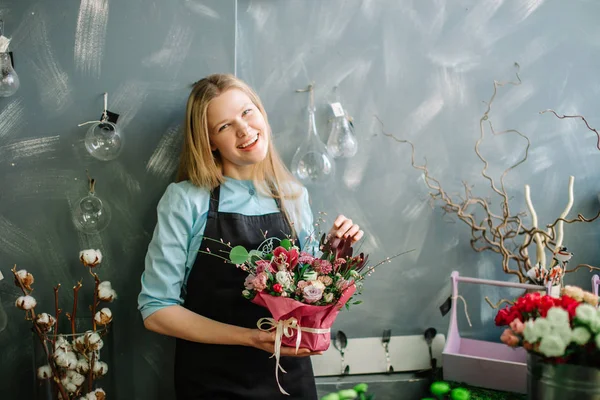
x=212, y=146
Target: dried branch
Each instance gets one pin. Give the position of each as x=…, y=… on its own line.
x=75, y=297
x=495, y=306
x=591, y=268
x=576, y=116
x=57, y=312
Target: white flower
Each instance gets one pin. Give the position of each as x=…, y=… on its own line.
x=536, y=329
x=44, y=372
x=557, y=316
x=91, y=257
x=248, y=282
x=590, y=298
x=100, y=368
x=581, y=335
x=564, y=332
x=106, y=292
x=586, y=314
x=328, y=297
x=284, y=278
x=26, y=302
x=573, y=292
x=246, y=293
x=83, y=366
x=318, y=284
x=103, y=317
x=552, y=346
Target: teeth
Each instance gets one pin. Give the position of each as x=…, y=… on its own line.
x=248, y=143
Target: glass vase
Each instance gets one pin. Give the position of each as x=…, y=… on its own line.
x=74, y=376
x=9, y=80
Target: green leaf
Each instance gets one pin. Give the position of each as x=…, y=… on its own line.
x=357, y=302
x=238, y=255
x=439, y=388
x=286, y=244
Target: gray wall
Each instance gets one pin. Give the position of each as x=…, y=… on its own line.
x=423, y=68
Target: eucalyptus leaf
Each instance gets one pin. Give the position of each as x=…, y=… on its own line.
x=238, y=255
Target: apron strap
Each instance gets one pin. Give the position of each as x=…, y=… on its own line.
x=213, y=207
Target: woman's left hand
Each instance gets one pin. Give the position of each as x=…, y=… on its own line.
x=344, y=228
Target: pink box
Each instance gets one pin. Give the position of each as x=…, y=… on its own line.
x=480, y=363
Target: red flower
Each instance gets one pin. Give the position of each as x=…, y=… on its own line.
x=569, y=304
x=278, y=288
x=502, y=317
x=290, y=257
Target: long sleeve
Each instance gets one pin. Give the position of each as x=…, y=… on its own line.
x=167, y=262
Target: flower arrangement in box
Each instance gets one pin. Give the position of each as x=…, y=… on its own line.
x=73, y=359
x=563, y=330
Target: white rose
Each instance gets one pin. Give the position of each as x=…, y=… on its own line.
x=557, y=316
x=328, y=297
x=581, y=335
x=552, y=346
x=318, y=284
x=564, y=332
x=586, y=314
x=284, y=278
x=91, y=257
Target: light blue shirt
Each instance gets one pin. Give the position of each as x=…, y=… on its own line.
x=182, y=214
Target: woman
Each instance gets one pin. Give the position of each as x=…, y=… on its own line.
x=233, y=186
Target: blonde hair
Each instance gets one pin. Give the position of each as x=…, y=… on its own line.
x=203, y=167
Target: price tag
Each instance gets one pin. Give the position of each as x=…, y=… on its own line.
x=338, y=110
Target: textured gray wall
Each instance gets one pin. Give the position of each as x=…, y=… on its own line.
x=423, y=67
x=145, y=54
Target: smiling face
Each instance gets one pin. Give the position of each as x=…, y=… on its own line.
x=238, y=131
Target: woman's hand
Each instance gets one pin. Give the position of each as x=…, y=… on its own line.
x=266, y=341
x=344, y=228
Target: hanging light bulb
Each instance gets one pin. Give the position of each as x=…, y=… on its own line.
x=312, y=163
x=103, y=139
x=342, y=141
x=9, y=80
x=91, y=214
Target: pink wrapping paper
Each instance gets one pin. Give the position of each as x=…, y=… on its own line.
x=308, y=316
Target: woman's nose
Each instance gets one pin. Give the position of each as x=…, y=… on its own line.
x=242, y=129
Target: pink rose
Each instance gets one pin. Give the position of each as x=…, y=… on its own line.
x=509, y=338
x=312, y=294
x=517, y=326
x=260, y=281
x=249, y=282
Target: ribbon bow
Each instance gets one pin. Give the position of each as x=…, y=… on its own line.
x=285, y=327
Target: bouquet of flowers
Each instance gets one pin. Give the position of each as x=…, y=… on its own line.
x=304, y=293
x=560, y=330
x=73, y=359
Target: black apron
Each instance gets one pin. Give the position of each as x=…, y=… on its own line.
x=214, y=290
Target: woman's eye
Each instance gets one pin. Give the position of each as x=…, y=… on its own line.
x=247, y=111
x=223, y=127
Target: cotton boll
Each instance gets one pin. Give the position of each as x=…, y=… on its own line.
x=103, y=317
x=65, y=359
x=44, y=372
x=45, y=322
x=26, y=303
x=90, y=258
x=76, y=378
x=93, y=340
x=100, y=368
x=106, y=292
x=62, y=344
x=26, y=279
x=83, y=366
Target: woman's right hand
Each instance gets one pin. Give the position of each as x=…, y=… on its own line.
x=266, y=341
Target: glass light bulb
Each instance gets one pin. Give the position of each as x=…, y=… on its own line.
x=104, y=141
x=342, y=142
x=9, y=80
x=91, y=214
x=312, y=163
